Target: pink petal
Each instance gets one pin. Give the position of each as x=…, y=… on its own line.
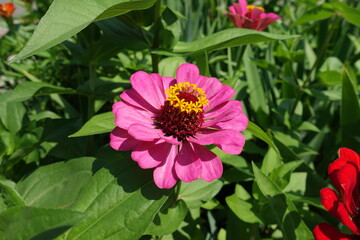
x=167, y=82
x=164, y=175
x=132, y=97
x=231, y=118
x=212, y=167
x=237, y=20
x=325, y=231
x=187, y=73
x=232, y=9
x=265, y=20
x=194, y=162
x=255, y=13
x=150, y=87
x=243, y=7
x=223, y=95
x=211, y=86
x=219, y=109
x=144, y=133
x=126, y=115
x=150, y=154
x=217, y=117
x=120, y=140
x=187, y=164
x=229, y=141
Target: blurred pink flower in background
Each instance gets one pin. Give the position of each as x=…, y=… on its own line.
x=248, y=16
x=165, y=122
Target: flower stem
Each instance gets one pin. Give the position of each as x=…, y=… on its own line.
x=155, y=57
x=230, y=68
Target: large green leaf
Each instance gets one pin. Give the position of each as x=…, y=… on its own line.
x=319, y=13
x=19, y=223
x=120, y=201
x=101, y=123
x=56, y=185
x=226, y=38
x=65, y=18
x=242, y=209
x=283, y=208
x=350, y=113
x=110, y=189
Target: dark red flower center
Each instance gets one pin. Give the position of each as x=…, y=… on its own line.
x=177, y=123
x=182, y=114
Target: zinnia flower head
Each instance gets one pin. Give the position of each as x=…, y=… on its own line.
x=7, y=9
x=165, y=122
x=344, y=173
x=248, y=16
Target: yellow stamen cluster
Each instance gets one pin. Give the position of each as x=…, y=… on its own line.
x=173, y=97
x=251, y=7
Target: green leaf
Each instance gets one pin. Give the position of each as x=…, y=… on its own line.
x=352, y=15
x=198, y=192
x=168, y=66
x=65, y=18
x=316, y=14
x=256, y=89
x=350, y=112
x=12, y=115
x=168, y=220
x=283, y=208
x=56, y=185
x=19, y=223
x=27, y=90
x=120, y=200
x=223, y=39
x=101, y=123
x=242, y=209
x=9, y=197
x=259, y=133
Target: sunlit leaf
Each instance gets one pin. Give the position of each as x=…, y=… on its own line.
x=101, y=123
x=65, y=18
x=222, y=39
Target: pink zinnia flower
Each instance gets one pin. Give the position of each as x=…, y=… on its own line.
x=165, y=121
x=248, y=16
x=344, y=173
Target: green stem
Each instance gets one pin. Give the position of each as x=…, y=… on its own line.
x=240, y=54
x=10, y=22
x=155, y=57
x=230, y=68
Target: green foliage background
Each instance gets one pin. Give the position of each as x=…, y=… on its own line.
x=64, y=63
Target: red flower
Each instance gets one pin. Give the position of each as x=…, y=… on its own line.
x=7, y=9
x=344, y=173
